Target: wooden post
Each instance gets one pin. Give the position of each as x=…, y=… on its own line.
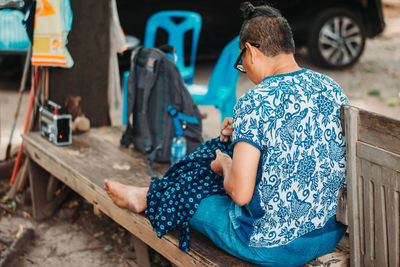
x=38, y=179
x=141, y=252
x=41, y=185
x=51, y=188
x=351, y=128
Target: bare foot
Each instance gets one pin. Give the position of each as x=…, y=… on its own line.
x=129, y=197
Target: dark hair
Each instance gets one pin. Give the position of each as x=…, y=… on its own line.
x=265, y=25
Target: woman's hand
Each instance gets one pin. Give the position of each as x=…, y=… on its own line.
x=226, y=130
x=222, y=161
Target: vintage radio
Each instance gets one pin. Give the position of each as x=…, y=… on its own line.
x=53, y=125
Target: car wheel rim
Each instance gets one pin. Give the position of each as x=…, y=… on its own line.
x=340, y=41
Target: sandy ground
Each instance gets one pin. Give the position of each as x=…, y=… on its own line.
x=76, y=237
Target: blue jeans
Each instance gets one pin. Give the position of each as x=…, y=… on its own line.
x=212, y=219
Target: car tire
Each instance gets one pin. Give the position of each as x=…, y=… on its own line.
x=336, y=38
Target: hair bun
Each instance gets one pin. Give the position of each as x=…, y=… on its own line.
x=248, y=10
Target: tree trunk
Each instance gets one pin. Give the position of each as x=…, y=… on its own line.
x=89, y=46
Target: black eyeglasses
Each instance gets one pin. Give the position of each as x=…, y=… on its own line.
x=238, y=64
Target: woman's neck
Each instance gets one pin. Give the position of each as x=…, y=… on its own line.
x=270, y=66
x=280, y=64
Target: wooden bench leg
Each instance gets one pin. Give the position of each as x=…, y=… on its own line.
x=141, y=252
x=38, y=179
x=42, y=184
x=52, y=186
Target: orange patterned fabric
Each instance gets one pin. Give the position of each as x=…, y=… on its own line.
x=50, y=33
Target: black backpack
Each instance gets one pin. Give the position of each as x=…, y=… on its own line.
x=154, y=84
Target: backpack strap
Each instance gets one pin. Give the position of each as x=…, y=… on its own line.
x=132, y=80
x=127, y=137
x=149, y=80
x=152, y=70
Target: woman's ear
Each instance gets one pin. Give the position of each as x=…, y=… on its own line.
x=250, y=52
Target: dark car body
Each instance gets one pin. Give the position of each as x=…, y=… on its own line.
x=222, y=19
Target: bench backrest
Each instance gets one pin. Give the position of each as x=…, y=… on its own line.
x=373, y=187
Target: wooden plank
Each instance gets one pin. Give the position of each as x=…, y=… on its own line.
x=392, y=192
x=95, y=159
x=350, y=115
x=369, y=211
x=378, y=156
x=379, y=220
x=112, y=135
x=360, y=208
x=38, y=179
x=379, y=131
x=86, y=179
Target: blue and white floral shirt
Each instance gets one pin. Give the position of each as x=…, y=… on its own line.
x=294, y=120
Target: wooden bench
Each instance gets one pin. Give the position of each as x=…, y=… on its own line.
x=95, y=156
x=83, y=166
x=373, y=187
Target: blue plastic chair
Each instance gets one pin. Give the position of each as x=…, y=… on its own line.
x=221, y=89
x=176, y=32
x=13, y=36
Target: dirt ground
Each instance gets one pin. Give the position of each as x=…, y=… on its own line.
x=73, y=237
x=77, y=237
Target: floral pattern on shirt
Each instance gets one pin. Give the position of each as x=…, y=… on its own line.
x=294, y=119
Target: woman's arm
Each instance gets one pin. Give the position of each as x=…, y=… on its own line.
x=239, y=172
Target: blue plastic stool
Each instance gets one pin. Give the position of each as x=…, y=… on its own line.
x=13, y=36
x=221, y=89
x=176, y=32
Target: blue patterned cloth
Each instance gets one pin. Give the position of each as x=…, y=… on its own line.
x=294, y=120
x=173, y=199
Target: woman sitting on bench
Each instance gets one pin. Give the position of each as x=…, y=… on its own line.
x=288, y=160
